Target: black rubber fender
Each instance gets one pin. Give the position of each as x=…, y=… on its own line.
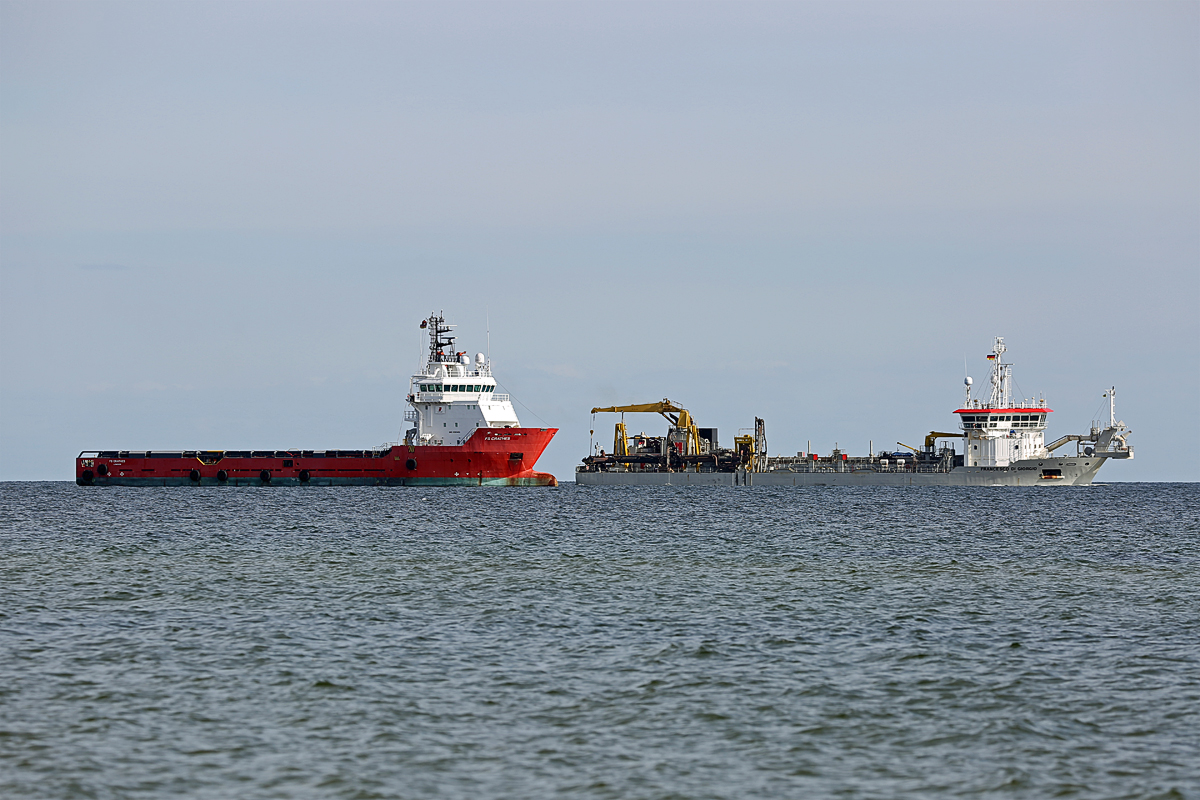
x=222, y=475
x=102, y=470
x=411, y=465
x=304, y=476
x=194, y=475
x=265, y=476
x=85, y=477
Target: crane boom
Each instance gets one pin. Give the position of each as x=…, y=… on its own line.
x=676, y=414
x=935, y=435
x=663, y=407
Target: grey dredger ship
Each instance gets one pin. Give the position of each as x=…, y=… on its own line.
x=1002, y=440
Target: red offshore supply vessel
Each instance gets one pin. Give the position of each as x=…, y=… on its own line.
x=465, y=434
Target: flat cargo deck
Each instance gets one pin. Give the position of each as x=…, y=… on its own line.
x=1043, y=472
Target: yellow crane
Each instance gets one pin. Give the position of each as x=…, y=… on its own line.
x=677, y=415
x=932, y=438
x=935, y=435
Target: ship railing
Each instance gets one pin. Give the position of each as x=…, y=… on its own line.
x=445, y=397
x=500, y=397
x=482, y=372
x=850, y=466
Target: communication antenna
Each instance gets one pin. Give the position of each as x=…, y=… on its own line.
x=487, y=321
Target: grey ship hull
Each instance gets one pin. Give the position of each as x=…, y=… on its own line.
x=1075, y=471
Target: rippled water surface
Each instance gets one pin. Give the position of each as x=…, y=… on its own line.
x=599, y=643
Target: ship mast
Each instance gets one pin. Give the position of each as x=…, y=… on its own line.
x=439, y=340
x=1001, y=373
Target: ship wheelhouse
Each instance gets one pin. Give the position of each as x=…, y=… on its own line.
x=452, y=397
x=1002, y=429
x=987, y=419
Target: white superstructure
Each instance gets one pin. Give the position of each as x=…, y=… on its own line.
x=451, y=397
x=1002, y=430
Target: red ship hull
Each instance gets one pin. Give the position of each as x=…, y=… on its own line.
x=491, y=457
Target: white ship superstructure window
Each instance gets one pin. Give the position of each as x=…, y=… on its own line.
x=981, y=421
x=457, y=387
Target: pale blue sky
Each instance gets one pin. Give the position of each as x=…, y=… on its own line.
x=220, y=224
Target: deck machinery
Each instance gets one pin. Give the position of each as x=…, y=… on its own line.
x=685, y=447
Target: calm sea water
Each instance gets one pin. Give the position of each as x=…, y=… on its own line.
x=599, y=643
